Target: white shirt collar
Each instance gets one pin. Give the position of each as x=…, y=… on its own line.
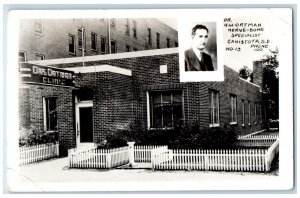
x=197, y=52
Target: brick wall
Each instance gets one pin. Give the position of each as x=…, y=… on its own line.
x=54, y=43
x=31, y=111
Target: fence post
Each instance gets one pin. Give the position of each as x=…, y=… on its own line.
x=131, y=154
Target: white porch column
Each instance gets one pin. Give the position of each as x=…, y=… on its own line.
x=131, y=153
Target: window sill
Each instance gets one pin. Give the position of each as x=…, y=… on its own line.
x=249, y=124
x=163, y=128
x=73, y=54
x=214, y=125
x=255, y=123
x=243, y=125
x=233, y=123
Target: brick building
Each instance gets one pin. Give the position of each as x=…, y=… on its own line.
x=72, y=35
x=112, y=92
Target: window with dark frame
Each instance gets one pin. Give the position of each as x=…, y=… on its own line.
x=39, y=57
x=127, y=48
x=165, y=108
x=22, y=56
x=71, y=44
x=134, y=28
x=249, y=113
x=149, y=36
x=81, y=39
x=127, y=27
x=157, y=40
x=113, y=46
x=168, y=43
x=103, y=44
x=50, y=113
x=94, y=41
x=214, y=118
x=243, y=112
x=233, y=105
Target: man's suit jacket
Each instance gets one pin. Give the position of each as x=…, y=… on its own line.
x=192, y=62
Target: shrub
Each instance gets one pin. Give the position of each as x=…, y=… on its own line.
x=33, y=136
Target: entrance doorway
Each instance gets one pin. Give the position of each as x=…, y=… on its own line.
x=84, y=123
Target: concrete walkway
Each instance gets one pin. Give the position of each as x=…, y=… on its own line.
x=55, y=175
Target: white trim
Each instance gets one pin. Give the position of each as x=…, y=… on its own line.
x=148, y=110
x=44, y=114
x=25, y=69
x=249, y=82
x=25, y=75
x=233, y=123
x=214, y=125
x=108, y=56
x=100, y=68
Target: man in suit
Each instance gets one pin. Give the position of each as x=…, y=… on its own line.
x=195, y=58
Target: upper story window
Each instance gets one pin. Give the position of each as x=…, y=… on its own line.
x=112, y=23
x=134, y=29
x=103, y=44
x=50, y=113
x=168, y=43
x=81, y=39
x=22, y=56
x=165, y=108
x=39, y=57
x=72, y=44
x=127, y=27
x=149, y=36
x=214, y=118
x=233, y=114
x=38, y=27
x=113, y=46
x=94, y=41
x=157, y=40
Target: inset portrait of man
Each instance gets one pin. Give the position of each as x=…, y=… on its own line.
x=195, y=57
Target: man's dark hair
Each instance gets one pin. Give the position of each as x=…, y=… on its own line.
x=198, y=27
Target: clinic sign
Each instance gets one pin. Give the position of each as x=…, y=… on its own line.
x=38, y=74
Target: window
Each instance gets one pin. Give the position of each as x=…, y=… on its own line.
x=39, y=57
x=134, y=49
x=158, y=40
x=127, y=48
x=22, y=56
x=103, y=44
x=94, y=41
x=233, y=104
x=214, y=108
x=50, y=113
x=260, y=113
x=176, y=44
x=243, y=112
x=134, y=29
x=165, y=108
x=112, y=23
x=113, y=46
x=149, y=36
x=81, y=39
x=249, y=113
x=127, y=27
x=71, y=44
x=38, y=27
x=168, y=43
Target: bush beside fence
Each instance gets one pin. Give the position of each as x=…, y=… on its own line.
x=29, y=154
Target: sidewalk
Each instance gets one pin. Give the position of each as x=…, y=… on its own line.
x=55, y=175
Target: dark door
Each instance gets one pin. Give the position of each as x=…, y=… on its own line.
x=86, y=124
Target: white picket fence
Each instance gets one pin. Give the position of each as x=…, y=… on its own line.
x=29, y=154
x=98, y=158
x=225, y=160
x=142, y=153
x=272, y=151
x=257, y=140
